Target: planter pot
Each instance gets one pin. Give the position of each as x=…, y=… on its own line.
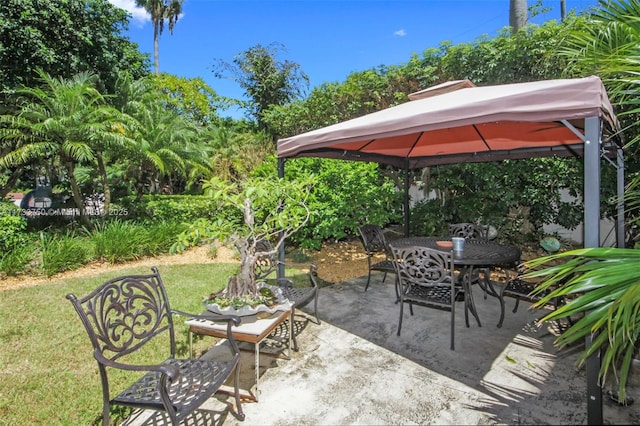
x=282, y=304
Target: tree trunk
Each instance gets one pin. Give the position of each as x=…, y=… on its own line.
x=11, y=182
x=245, y=282
x=247, y=275
x=563, y=10
x=77, y=196
x=105, y=185
x=517, y=14
x=156, y=45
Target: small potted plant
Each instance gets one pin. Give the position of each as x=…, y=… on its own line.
x=267, y=209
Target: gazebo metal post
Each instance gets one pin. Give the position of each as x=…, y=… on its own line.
x=620, y=201
x=280, y=270
x=406, y=197
x=592, y=239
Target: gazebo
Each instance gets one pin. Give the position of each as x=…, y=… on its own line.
x=458, y=122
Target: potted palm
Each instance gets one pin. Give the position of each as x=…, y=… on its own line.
x=259, y=209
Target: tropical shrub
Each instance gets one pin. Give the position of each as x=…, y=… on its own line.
x=118, y=241
x=12, y=229
x=172, y=208
x=16, y=261
x=344, y=195
x=63, y=252
x=161, y=236
x=427, y=217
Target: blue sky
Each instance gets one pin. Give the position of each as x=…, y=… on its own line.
x=329, y=39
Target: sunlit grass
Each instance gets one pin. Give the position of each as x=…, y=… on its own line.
x=49, y=374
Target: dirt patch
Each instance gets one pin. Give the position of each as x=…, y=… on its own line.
x=336, y=262
x=195, y=255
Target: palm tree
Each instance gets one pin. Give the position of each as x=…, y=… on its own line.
x=603, y=284
x=161, y=10
x=168, y=145
x=64, y=123
x=517, y=14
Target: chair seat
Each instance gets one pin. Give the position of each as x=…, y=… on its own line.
x=433, y=295
x=522, y=289
x=519, y=289
x=300, y=296
x=385, y=265
x=198, y=380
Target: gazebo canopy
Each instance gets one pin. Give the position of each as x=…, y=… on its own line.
x=459, y=122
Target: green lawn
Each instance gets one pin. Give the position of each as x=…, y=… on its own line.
x=48, y=373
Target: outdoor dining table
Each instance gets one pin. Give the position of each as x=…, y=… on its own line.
x=476, y=254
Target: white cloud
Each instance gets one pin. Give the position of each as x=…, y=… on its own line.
x=400, y=33
x=140, y=15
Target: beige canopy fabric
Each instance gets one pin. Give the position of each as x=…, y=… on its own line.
x=467, y=124
x=441, y=89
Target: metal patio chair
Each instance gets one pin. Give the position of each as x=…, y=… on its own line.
x=125, y=314
x=427, y=279
x=518, y=288
x=469, y=230
x=301, y=294
x=378, y=252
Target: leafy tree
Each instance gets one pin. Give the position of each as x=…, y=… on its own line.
x=168, y=146
x=266, y=81
x=345, y=194
x=235, y=153
x=64, y=38
x=161, y=10
x=191, y=98
x=61, y=124
x=529, y=55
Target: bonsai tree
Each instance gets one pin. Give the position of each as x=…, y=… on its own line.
x=261, y=209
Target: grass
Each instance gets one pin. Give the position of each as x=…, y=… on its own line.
x=49, y=374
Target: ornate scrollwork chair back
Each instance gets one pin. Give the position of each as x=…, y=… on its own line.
x=426, y=279
x=469, y=230
x=473, y=232
x=267, y=262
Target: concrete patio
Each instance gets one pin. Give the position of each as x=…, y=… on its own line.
x=354, y=369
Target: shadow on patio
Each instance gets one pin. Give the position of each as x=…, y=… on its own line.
x=354, y=369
